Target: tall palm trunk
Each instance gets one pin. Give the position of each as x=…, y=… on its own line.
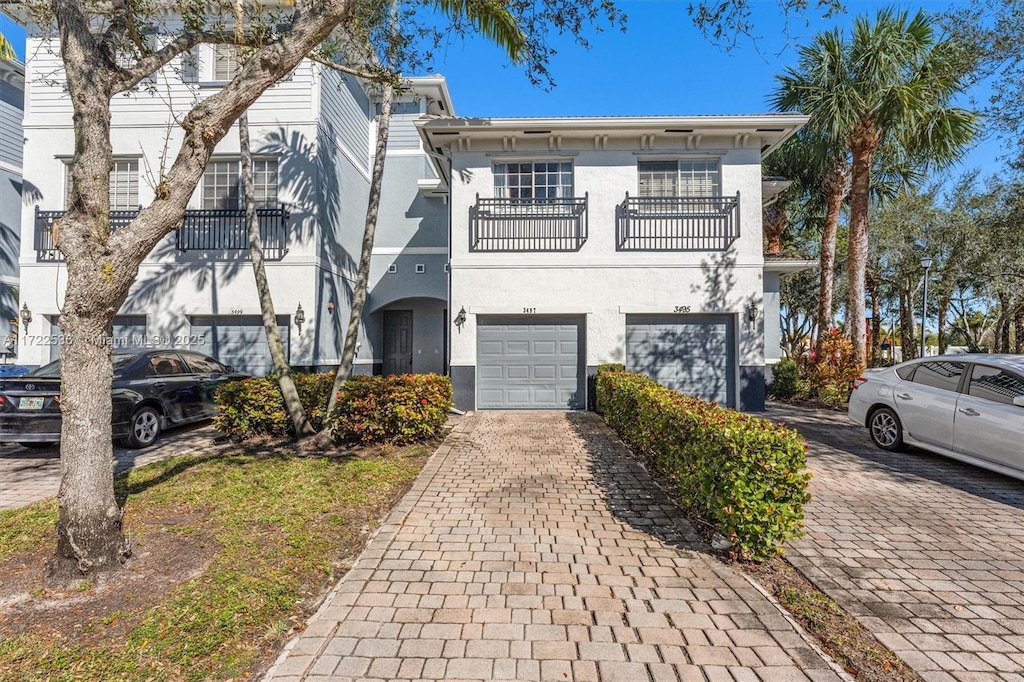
x=876, y=321
x=907, y=344
x=292, y=403
x=863, y=147
x=834, y=188
x=774, y=221
x=363, y=275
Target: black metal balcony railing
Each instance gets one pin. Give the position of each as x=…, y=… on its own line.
x=677, y=223
x=221, y=232
x=528, y=224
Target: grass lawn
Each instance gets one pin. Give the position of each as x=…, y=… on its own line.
x=231, y=552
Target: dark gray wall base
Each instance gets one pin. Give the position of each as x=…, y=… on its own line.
x=592, y=388
x=363, y=370
x=464, y=386
x=752, y=388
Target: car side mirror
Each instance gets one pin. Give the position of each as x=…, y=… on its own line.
x=229, y=368
x=1019, y=401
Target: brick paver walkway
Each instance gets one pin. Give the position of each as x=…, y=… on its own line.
x=28, y=475
x=533, y=548
x=927, y=552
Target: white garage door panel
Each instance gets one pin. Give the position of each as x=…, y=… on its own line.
x=692, y=354
x=523, y=365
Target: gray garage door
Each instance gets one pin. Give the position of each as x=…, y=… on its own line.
x=692, y=354
x=238, y=340
x=531, y=363
x=127, y=332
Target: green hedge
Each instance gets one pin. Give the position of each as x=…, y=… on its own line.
x=392, y=409
x=742, y=474
x=254, y=407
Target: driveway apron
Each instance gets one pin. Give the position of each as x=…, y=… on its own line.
x=532, y=547
x=926, y=552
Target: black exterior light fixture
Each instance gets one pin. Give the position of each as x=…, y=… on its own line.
x=300, y=317
x=460, y=319
x=26, y=316
x=751, y=314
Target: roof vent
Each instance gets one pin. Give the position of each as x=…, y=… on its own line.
x=771, y=130
x=536, y=132
x=678, y=130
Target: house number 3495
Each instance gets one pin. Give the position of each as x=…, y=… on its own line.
x=681, y=309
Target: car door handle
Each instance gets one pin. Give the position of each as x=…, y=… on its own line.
x=970, y=411
x=904, y=396
x=159, y=384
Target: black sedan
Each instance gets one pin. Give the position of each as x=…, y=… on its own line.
x=151, y=390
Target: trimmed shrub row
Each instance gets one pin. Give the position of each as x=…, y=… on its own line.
x=742, y=474
x=371, y=409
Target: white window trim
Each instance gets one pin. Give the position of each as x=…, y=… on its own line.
x=197, y=196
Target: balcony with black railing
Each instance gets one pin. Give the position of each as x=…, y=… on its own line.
x=677, y=223
x=557, y=224
x=213, y=232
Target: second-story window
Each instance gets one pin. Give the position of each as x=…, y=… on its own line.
x=533, y=180
x=225, y=62
x=124, y=185
x=682, y=178
x=222, y=184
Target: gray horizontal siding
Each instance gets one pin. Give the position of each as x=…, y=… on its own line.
x=403, y=134
x=345, y=114
x=11, y=137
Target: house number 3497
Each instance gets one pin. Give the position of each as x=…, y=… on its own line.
x=528, y=311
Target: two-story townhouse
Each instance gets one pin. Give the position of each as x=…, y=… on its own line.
x=312, y=139
x=581, y=241
x=12, y=104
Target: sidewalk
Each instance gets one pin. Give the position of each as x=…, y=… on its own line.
x=28, y=475
x=532, y=547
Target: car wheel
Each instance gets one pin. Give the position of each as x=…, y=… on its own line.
x=144, y=428
x=886, y=430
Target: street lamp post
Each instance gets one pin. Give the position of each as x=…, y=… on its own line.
x=926, y=263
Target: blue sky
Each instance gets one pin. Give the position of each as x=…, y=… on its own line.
x=660, y=66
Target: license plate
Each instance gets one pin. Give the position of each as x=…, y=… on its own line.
x=30, y=404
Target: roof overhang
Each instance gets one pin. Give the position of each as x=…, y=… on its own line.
x=768, y=131
x=787, y=265
x=771, y=188
x=434, y=87
x=12, y=71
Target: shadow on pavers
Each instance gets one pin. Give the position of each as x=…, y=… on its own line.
x=628, y=489
x=833, y=439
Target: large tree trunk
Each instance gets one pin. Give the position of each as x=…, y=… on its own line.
x=292, y=403
x=102, y=265
x=1003, y=325
x=862, y=147
x=834, y=189
x=363, y=275
x=907, y=345
x=1018, y=329
x=89, y=537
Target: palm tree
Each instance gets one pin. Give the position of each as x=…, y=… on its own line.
x=6, y=49
x=495, y=22
x=890, y=86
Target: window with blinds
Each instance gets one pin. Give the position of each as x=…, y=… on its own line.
x=225, y=62
x=124, y=185
x=222, y=184
x=533, y=180
x=682, y=178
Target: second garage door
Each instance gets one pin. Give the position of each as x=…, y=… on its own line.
x=692, y=354
x=238, y=340
x=531, y=363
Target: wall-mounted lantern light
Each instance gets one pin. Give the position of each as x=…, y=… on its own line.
x=300, y=317
x=330, y=307
x=26, y=316
x=751, y=314
x=460, y=319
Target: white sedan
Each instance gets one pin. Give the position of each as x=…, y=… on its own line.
x=968, y=407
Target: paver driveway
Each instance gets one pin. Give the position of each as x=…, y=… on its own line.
x=531, y=547
x=927, y=552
